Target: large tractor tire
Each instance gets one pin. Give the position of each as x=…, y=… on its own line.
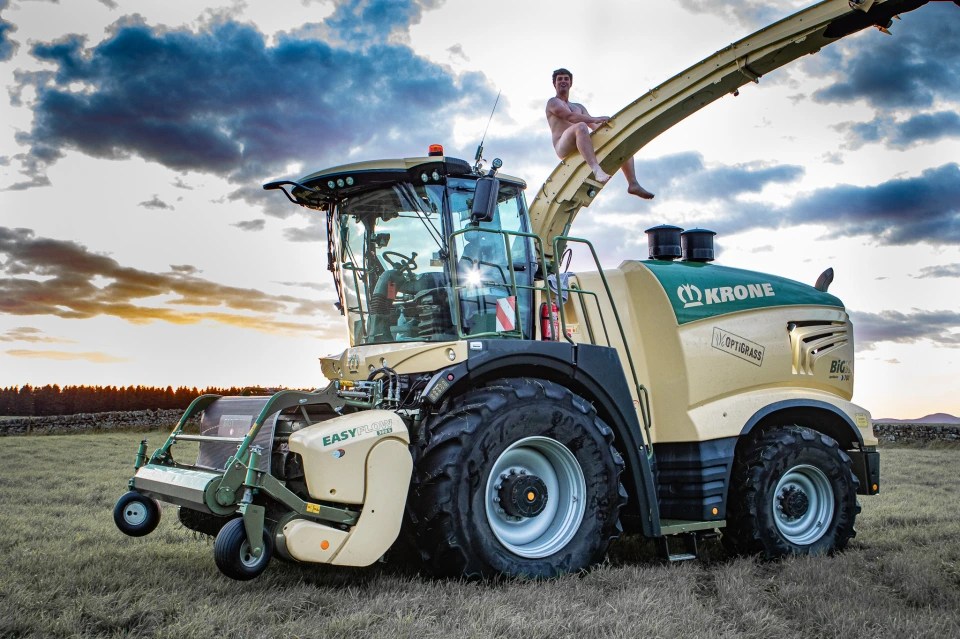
x=793, y=492
x=517, y=478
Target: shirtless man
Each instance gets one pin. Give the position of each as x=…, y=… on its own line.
x=570, y=125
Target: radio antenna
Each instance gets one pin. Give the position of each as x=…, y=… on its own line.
x=479, y=156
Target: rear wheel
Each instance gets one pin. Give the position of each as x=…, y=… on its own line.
x=793, y=492
x=136, y=514
x=234, y=556
x=519, y=478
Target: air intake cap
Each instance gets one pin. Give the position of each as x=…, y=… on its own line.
x=697, y=245
x=664, y=242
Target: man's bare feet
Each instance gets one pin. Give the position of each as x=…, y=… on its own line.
x=599, y=175
x=639, y=191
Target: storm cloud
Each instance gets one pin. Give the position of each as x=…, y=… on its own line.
x=938, y=327
x=946, y=270
x=750, y=13
x=222, y=100
x=919, y=65
x=917, y=129
x=251, y=225
x=44, y=276
x=156, y=203
x=925, y=208
x=687, y=176
x=360, y=21
x=7, y=46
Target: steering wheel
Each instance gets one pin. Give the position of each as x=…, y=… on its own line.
x=402, y=262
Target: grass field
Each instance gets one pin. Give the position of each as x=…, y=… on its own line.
x=66, y=571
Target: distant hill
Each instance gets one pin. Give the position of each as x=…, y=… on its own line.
x=935, y=418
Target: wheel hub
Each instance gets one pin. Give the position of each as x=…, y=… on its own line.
x=803, y=505
x=793, y=502
x=135, y=513
x=535, y=497
x=523, y=495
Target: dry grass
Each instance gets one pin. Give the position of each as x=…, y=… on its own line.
x=67, y=572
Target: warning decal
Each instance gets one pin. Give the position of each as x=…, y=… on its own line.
x=507, y=313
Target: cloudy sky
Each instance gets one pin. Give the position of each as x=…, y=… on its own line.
x=137, y=247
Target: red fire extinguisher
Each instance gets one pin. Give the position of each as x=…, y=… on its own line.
x=549, y=322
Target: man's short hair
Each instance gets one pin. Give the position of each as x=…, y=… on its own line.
x=561, y=71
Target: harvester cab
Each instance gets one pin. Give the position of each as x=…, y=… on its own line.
x=504, y=418
x=424, y=249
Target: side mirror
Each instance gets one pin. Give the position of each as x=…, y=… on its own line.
x=485, y=199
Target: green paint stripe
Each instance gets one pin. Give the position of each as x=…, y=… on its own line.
x=699, y=291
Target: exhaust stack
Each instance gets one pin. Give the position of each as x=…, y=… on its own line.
x=664, y=242
x=697, y=245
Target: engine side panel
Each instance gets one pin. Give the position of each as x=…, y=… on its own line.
x=715, y=345
x=335, y=453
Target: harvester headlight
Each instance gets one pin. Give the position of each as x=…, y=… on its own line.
x=424, y=177
x=451, y=354
x=340, y=182
x=331, y=184
x=435, y=176
x=349, y=181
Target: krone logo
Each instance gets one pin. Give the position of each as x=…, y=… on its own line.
x=690, y=295
x=353, y=361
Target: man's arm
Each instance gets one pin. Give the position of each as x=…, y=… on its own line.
x=559, y=109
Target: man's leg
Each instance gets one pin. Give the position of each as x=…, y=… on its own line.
x=578, y=136
x=633, y=187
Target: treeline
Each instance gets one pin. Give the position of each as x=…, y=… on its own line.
x=28, y=401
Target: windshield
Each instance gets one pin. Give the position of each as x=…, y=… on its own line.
x=391, y=248
x=491, y=263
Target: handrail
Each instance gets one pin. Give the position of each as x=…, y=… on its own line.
x=642, y=398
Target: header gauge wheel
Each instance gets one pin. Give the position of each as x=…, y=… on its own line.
x=518, y=478
x=234, y=556
x=136, y=514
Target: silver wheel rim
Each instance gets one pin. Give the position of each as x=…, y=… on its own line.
x=246, y=555
x=566, y=489
x=807, y=527
x=135, y=513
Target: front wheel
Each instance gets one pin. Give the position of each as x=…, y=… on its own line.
x=234, y=556
x=793, y=492
x=518, y=478
x=136, y=514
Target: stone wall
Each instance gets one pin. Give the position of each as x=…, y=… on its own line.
x=913, y=433
x=163, y=420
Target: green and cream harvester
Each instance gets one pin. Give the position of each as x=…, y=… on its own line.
x=495, y=413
